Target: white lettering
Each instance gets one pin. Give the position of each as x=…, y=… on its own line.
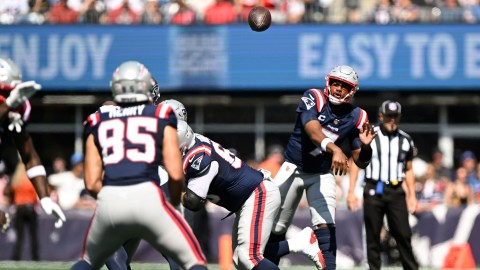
x=417, y=43
x=74, y=60
x=360, y=52
x=442, y=47
x=337, y=54
x=51, y=70
x=472, y=56
x=384, y=49
x=26, y=53
x=308, y=56
x=99, y=47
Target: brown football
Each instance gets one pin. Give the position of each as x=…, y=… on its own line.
x=259, y=19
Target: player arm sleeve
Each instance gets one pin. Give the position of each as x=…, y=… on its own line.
x=197, y=188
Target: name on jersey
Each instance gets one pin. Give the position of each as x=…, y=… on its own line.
x=129, y=111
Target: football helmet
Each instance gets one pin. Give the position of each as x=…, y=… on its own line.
x=178, y=108
x=10, y=74
x=345, y=74
x=186, y=137
x=131, y=82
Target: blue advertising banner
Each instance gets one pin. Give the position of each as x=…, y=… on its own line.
x=285, y=57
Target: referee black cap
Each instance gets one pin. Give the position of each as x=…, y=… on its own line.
x=390, y=107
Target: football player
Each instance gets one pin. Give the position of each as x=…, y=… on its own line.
x=14, y=105
x=121, y=259
x=124, y=146
x=214, y=173
x=325, y=120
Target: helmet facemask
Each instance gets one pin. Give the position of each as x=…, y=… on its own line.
x=343, y=74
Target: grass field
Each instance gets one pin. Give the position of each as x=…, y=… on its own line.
x=24, y=265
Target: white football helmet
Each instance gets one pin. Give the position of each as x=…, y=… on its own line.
x=178, y=108
x=131, y=82
x=186, y=137
x=10, y=74
x=345, y=74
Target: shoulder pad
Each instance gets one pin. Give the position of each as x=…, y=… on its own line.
x=362, y=118
x=92, y=119
x=194, y=157
x=164, y=111
x=315, y=97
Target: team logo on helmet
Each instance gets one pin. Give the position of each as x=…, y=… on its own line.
x=308, y=102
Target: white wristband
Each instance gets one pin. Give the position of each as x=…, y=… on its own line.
x=36, y=171
x=323, y=144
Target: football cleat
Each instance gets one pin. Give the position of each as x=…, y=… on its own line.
x=306, y=243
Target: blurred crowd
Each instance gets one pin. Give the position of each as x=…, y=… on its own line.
x=188, y=12
x=435, y=184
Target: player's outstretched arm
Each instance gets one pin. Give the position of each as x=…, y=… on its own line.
x=339, y=160
x=173, y=164
x=362, y=156
x=37, y=174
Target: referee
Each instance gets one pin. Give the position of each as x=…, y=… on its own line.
x=383, y=194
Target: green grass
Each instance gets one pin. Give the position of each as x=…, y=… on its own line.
x=25, y=265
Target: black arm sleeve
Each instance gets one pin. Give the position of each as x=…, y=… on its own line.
x=365, y=156
x=192, y=201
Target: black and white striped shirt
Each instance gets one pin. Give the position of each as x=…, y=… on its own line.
x=390, y=155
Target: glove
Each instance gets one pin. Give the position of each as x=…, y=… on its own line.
x=52, y=208
x=16, y=121
x=5, y=226
x=22, y=92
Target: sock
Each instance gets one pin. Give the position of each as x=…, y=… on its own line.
x=276, y=247
x=81, y=265
x=172, y=263
x=199, y=267
x=328, y=244
x=266, y=264
x=118, y=261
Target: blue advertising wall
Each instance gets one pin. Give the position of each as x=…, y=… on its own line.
x=413, y=57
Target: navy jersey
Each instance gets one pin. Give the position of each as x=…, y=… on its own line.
x=235, y=180
x=129, y=140
x=8, y=151
x=341, y=129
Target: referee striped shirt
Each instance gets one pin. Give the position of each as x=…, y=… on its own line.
x=390, y=153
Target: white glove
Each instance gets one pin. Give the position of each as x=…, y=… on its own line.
x=5, y=226
x=16, y=121
x=52, y=208
x=22, y=92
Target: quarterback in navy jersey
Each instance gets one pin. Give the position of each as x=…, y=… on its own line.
x=215, y=174
x=325, y=121
x=124, y=145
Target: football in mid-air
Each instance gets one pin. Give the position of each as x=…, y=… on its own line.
x=259, y=19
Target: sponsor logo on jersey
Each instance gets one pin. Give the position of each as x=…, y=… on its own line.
x=308, y=102
x=196, y=163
